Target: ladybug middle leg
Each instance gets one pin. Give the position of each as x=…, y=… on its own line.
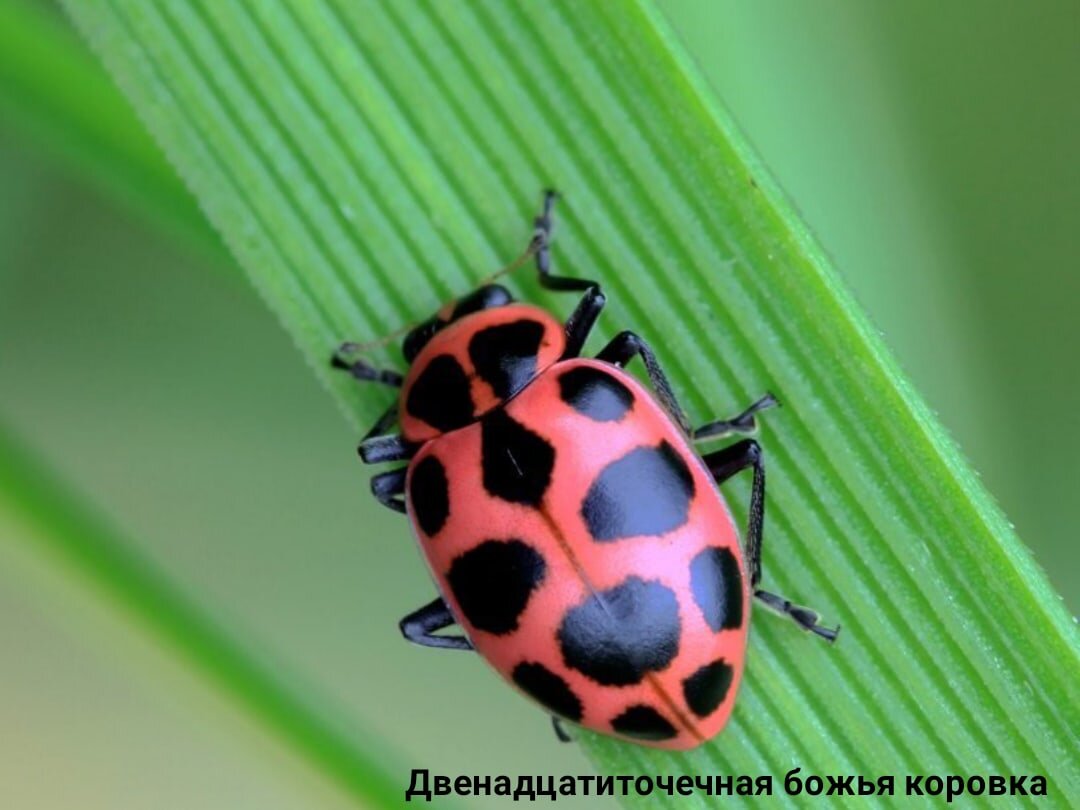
x=725, y=463
x=419, y=627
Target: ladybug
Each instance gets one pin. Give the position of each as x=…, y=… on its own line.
x=573, y=532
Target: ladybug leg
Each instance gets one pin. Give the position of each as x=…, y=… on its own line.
x=543, y=226
x=378, y=445
x=389, y=489
x=582, y=320
x=588, y=309
x=723, y=464
x=806, y=618
x=623, y=348
x=363, y=370
x=560, y=729
x=383, y=423
x=743, y=423
x=419, y=627
x=375, y=446
x=376, y=449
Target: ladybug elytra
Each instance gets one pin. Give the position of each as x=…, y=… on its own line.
x=573, y=532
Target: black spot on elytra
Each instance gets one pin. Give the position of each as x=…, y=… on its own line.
x=717, y=587
x=643, y=723
x=429, y=495
x=493, y=582
x=548, y=689
x=516, y=462
x=616, y=636
x=646, y=492
x=505, y=355
x=440, y=395
x=706, y=689
x=595, y=394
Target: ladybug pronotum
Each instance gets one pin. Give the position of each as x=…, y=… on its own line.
x=572, y=530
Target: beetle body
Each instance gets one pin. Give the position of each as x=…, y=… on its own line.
x=571, y=528
x=578, y=538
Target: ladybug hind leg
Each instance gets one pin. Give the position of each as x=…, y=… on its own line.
x=723, y=464
x=419, y=627
x=561, y=733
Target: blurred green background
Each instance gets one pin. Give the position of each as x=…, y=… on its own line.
x=933, y=149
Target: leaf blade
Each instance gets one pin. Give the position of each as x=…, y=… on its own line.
x=602, y=103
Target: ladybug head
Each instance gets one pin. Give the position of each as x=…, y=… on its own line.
x=486, y=297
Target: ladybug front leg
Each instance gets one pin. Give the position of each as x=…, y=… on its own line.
x=543, y=227
x=419, y=627
x=581, y=322
x=377, y=445
x=723, y=464
x=627, y=345
x=363, y=370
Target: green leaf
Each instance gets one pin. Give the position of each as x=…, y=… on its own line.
x=365, y=162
